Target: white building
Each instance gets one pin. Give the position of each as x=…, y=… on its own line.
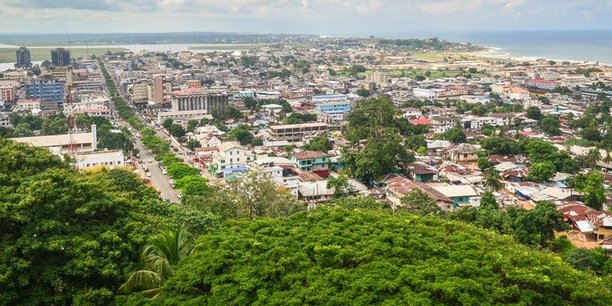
x=230, y=155
x=61, y=144
x=109, y=159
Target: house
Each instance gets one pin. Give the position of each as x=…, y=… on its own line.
x=315, y=191
x=315, y=161
x=109, y=159
x=282, y=170
x=462, y=195
x=422, y=172
x=462, y=153
x=398, y=186
x=230, y=155
x=436, y=147
x=410, y=112
x=592, y=224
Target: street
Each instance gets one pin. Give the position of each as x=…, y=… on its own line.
x=157, y=178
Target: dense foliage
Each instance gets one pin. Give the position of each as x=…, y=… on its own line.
x=341, y=257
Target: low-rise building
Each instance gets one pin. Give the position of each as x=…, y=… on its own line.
x=107, y=159
x=65, y=143
x=312, y=161
x=230, y=155
x=297, y=132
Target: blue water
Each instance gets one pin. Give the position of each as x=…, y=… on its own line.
x=592, y=45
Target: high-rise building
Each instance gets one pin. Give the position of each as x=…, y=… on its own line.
x=23, y=58
x=60, y=57
x=158, y=89
x=45, y=91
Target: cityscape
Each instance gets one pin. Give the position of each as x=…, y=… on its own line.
x=289, y=169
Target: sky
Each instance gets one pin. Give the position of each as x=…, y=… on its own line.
x=332, y=17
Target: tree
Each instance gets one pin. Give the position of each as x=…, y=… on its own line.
x=541, y=172
x=191, y=125
x=192, y=144
x=319, y=143
x=418, y=202
x=422, y=151
x=366, y=257
x=534, y=113
x=242, y=134
x=167, y=124
x=177, y=130
x=491, y=180
x=488, y=201
x=158, y=260
x=454, y=135
x=590, y=133
x=340, y=185
x=179, y=170
x=36, y=70
x=483, y=163
x=250, y=103
x=592, y=185
x=362, y=92
x=550, y=125
x=414, y=142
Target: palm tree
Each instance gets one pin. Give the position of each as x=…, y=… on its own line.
x=492, y=182
x=593, y=156
x=158, y=260
x=607, y=159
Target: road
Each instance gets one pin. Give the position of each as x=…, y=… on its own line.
x=158, y=180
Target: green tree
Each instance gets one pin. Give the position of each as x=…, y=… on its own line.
x=491, y=180
x=158, y=261
x=167, y=124
x=534, y=113
x=592, y=185
x=192, y=144
x=414, y=142
x=541, y=172
x=177, y=130
x=242, y=134
x=340, y=185
x=590, y=133
x=483, y=163
x=191, y=125
x=487, y=201
x=550, y=125
x=454, y=135
x=418, y=202
x=362, y=92
x=366, y=257
x=179, y=170
x=319, y=143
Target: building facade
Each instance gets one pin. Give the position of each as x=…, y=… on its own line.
x=23, y=59
x=45, y=91
x=60, y=57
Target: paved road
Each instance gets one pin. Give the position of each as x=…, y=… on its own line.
x=158, y=180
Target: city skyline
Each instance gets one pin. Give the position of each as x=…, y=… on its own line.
x=335, y=17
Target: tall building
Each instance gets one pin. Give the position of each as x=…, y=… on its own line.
x=23, y=58
x=157, y=93
x=60, y=57
x=45, y=91
x=194, y=104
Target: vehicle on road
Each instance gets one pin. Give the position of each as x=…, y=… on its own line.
x=164, y=171
x=171, y=182
x=148, y=174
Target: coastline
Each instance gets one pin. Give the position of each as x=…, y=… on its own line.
x=499, y=53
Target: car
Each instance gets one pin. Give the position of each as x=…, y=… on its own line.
x=180, y=195
x=164, y=171
x=149, y=174
x=171, y=182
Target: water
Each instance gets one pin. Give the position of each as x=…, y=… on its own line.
x=592, y=46
x=202, y=48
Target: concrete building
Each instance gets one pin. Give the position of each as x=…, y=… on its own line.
x=312, y=161
x=297, y=132
x=4, y=119
x=8, y=90
x=107, y=159
x=140, y=92
x=61, y=144
x=23, y=59
x=160, y=89
x=230, y=155
x=60, y=57
x=335, y=106
x=16, y=75
x=45, y=91
x=27, y=105
x=194, y=104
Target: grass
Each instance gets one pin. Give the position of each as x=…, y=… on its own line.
x=430, y=57
x=433, y=74
x=228, y=47
x=7, y=55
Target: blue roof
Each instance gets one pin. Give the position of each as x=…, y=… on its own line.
x=235, y=169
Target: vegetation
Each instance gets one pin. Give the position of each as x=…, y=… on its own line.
x=343, y=257
x=319, y=143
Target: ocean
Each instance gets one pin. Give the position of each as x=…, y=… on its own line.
x=591, y=46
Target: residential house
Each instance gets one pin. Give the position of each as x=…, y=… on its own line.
x=462, y=195
x=422, y=172
x=230, y=155
x=398, y=186
x=314, y=161
x=462, y=153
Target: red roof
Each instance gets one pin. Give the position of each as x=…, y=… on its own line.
x=421, y=121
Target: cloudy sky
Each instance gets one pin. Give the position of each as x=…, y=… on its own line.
x=344, y=17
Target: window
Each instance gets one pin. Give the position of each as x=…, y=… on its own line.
x=238, y=159
x=231, y=160
x=465, y=155
x=248, y=158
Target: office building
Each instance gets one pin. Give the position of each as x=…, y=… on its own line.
x=194, y=104
x=23, y=59
x=297, y=132
x=60, y=57
x=335, y=106
x=45, y=91
x=61, y=144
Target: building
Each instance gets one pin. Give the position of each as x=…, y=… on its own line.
x=16, y=75
x=45, y=91
x=336, y=106
x=441, y=124
x=297, y=132
x=426, y=93
x=461, y=195
x=26, y=105
x=398, y=186
x=61, y=144
x=378, y=77
x=159, y=90
x=464, y=152
x=8, y=90
x=60, y=57
x=541, y=84
x=107, y=159
x=5, y=120
x=23, y=59
x=312, y=161
x=230, y=155
x=140, y=92
x=282, y=170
